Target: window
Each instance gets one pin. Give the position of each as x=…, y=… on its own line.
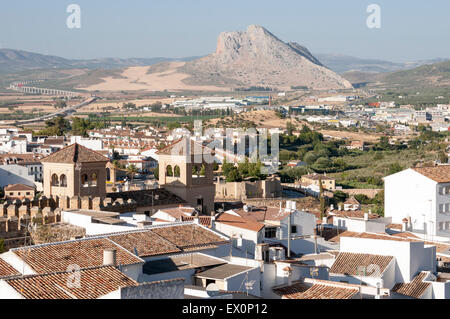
x=293, y=229
x=18, y=194
x=270, y=232
x=84, y=180
x=55, y=180
x=441, y=226
x=169, y=171
x=444, y=208
x=176, y=171
x=63, y=181
x=94, y=179
x=444, y=190
x=28, y=193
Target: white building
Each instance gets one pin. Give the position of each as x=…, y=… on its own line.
x=419, y=198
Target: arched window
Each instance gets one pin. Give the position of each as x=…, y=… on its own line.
x=176, y=171
x=84, y=180
x=63, y=180
x=55, y=180
x=169, y=171
x=94, y=179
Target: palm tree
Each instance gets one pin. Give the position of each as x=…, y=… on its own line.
x=131, y=171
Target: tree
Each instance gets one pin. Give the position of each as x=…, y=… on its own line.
x=443, y=157
x=131, y=171
x=394, y=168
x=233, y=175
x=290, y=128
x=339, y=197
x=60, y=104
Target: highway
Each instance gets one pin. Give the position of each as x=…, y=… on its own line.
x=64, y=112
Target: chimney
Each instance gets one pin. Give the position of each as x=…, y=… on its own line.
x=339, y=207
x=197, y=219
x=213, y=220
x=366, y=216
x=109, y=257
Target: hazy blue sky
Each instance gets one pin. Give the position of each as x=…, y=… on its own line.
x=410, y=30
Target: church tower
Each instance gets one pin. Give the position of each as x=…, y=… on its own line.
x=184, y=171
x=75, y=170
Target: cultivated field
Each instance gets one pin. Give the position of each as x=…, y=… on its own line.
x=138, y=78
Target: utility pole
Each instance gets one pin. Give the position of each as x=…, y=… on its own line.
x=289, y=236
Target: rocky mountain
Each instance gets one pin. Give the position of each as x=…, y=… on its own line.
x=13, y=61
x=257, y=58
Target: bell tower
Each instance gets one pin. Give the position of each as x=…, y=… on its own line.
x=184, y=172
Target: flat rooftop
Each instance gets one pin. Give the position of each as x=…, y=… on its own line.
x=223, y=272
x=182, y=262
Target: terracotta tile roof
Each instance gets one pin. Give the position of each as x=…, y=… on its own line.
x=322, y=289
x=237, y=221
x=146, y=243
x=439, y=174
x=182, y=146
x=6, y=270
x=204, y=220
x=352, y=201
x=408, y=237
x=352, y=263
x=85, y=253
x=178, y=236
x=352, y=214
x=21, y=158
x=177, y=212
x=188, y=236
x=295, y=288
x=394, y=226
x=415, y=289
x=262, y=214
x=18, y=187
x=75, y=153
x=94, y=283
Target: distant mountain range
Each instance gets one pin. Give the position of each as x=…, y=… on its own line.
x=246, y=59
x=14, y=61
x=344, y=63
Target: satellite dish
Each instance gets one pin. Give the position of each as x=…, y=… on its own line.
x=212, y=290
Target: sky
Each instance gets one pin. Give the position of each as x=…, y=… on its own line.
x=410, y=29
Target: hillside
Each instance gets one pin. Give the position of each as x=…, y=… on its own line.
x=432, y=75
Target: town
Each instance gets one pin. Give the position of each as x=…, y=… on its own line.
x=259, y=171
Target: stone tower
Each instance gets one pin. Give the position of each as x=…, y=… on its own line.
x=75, y=170
x=184, y=171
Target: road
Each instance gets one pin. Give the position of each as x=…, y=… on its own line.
x=64, y=112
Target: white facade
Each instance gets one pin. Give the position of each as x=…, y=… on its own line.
x=16, y=174
x=410, y=257
x=411, y=195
